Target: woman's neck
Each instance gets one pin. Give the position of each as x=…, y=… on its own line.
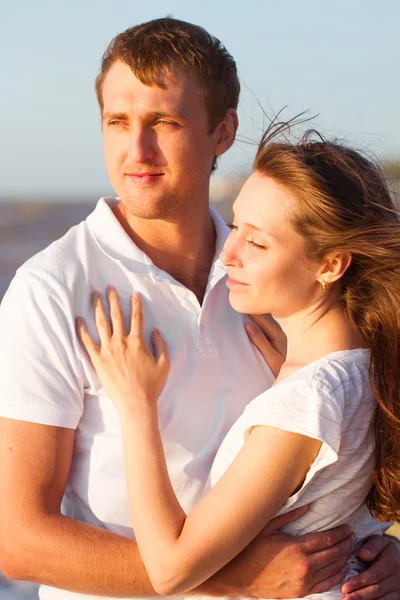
x=317, y=331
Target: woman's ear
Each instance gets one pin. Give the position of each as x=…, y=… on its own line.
x=334, y=266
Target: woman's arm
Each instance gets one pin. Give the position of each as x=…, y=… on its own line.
x=181, y=552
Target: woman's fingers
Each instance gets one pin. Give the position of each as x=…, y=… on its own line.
x=136, y=316
x=86, y=339
x=268, y=324
x=258, y=338
x=116, y=314
x=272, y=357
x=100, y=317
x=272, y=331
x=161, y=360
x=124, y=363
x=160, y=347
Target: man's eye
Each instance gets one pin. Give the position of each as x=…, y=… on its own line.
x=164, y=122
x=232, y=226
x=115, y=122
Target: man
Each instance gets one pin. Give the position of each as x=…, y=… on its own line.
x=168, y=94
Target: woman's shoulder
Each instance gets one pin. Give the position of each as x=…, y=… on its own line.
x=316, y=399
x=338, y=367
x=332, y=379
x=331, y=371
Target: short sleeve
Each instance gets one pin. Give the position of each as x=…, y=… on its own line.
x=40, y=374
x=306, y=407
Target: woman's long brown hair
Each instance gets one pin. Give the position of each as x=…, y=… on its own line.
x=345, y=205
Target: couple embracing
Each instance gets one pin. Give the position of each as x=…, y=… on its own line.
x=248, y=456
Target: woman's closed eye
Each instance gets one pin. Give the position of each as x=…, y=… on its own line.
x=255, y=245
x=250, y=241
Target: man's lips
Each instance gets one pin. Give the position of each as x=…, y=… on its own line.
x=145, y=174
x=145, y=177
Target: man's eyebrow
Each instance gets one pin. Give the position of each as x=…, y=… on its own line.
x=166, y=114
x=114, y=115
x=151, y=116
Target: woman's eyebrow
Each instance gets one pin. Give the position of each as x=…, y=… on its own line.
x=255, y=227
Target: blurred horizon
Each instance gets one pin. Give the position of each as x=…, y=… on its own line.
x=28, y=227
x=337, y=59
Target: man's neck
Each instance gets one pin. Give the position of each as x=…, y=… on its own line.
x=184, y=247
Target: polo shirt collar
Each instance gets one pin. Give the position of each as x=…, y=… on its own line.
x=113, y=240
x=218, y=270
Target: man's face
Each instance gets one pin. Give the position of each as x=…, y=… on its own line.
x=157, y=145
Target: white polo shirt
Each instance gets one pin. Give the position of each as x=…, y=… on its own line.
x=46, y=377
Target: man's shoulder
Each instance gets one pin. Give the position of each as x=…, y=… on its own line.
x=70, y=256
x=62, y=260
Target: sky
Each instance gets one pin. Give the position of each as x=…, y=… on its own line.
x=337, y=58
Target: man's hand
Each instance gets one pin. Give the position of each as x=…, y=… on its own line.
x=382, y=580
x=275, y=565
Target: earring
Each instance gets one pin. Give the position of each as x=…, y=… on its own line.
x=323, y=285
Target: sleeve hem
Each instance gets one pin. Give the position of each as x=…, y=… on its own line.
x=39, y=415
x=331, y=440
x=326, y=456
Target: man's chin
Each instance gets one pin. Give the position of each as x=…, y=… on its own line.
x=146, y=209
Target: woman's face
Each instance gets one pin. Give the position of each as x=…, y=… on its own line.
x=267, y=267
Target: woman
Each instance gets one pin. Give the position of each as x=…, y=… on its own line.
x=315, y=242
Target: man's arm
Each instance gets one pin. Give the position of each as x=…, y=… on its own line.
x=37, y=542
x=41, y=545
x=308, y=567
x=276, y=565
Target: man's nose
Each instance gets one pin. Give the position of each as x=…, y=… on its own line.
x=141, y=145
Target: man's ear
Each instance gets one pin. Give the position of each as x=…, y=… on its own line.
x=334, y=266
x=225, y=132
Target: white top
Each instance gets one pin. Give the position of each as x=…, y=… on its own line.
x=329, y=400
x=46, y=377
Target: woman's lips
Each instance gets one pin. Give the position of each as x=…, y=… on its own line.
x=233, y=283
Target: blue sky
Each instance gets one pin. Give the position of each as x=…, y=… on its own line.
x=338, y=58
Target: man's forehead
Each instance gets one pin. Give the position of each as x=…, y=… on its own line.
x=180, y=94
x=177, y=82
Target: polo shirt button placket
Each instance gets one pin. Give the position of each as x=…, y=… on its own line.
x=205, y=341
